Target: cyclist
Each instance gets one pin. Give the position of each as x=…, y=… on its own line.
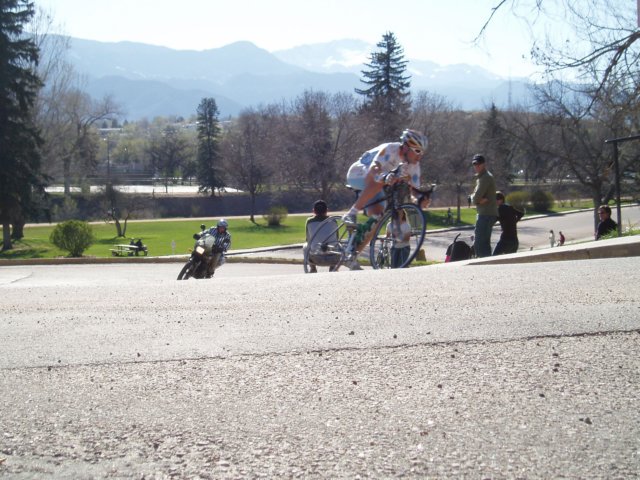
x=370, y=173
x=221, y=244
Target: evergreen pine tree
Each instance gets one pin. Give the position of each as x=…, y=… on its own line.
x=208, y=171
x=20, y=177
x=387, y=96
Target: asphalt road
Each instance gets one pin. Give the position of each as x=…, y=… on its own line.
x=505, y=371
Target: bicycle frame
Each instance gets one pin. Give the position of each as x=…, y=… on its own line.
x=381, y=245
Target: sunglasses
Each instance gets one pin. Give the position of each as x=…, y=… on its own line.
x=417, y=151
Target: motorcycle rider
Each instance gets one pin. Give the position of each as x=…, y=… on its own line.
x=220, y=245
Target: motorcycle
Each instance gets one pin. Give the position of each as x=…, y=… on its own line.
x=198, y=264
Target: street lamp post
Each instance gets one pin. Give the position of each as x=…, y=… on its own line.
x=615, y=142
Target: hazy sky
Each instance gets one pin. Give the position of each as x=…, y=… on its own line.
x=437, y=30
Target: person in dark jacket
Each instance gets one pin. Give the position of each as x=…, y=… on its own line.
x=508, y=217
x=606, y=224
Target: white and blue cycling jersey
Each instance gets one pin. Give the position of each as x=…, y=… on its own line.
x=388, y=156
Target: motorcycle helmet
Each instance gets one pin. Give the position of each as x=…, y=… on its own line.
x=222, y=223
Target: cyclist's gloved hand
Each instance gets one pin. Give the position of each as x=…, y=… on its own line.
x=390, y=178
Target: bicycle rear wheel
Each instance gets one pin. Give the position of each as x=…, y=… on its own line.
x=387, y=250
x=327, y=247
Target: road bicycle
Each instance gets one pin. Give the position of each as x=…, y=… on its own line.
x=334, y=242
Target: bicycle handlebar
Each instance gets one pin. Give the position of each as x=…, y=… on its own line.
x=424, y=193
x=421, y=193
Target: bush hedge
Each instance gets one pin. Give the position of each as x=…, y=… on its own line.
x=72, y=236
x=518, y=200
x=276, y=215
x=541, y=200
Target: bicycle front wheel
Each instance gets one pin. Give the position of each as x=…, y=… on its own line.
x=396, y=246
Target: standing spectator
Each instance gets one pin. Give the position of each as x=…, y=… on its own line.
x=552, y=238
x=508, y=218
x=606, y=224
x=561, y=238
x=484, y=198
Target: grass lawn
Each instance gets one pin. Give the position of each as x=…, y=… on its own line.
x=159, y=234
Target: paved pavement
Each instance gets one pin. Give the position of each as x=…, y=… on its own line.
x=518, y=370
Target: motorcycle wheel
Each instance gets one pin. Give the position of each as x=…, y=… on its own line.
x=186, y=271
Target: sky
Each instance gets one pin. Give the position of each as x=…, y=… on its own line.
x=437, y=30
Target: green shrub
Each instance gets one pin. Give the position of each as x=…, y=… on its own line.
x=518, y=200
x=73, y=236
x=541, y=201
x=276, y=215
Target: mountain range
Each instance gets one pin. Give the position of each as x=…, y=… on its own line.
x=149, y=81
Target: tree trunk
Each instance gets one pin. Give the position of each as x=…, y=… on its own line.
x=253, y=207
x=66, y=173
x=18, y=229
x=118, y=227
x=6, y=236
x=124, y=229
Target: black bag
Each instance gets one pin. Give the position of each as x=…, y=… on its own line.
x=458, y=250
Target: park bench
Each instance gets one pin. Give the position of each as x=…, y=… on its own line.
x=125, y=250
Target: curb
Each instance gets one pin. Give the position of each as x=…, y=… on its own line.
x=612, y=248
x=234, y=256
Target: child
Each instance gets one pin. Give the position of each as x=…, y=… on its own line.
x=401, y=234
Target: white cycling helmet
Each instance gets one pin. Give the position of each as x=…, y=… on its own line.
x=414, y=139
x=222, y=223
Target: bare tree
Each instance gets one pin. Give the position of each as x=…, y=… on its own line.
x=65, y=114
x=248, y=151
x=564, y=137
x=347, y=136
x=601, y=43
x=592, y=73
x=309, y=142
x=170, y=152
x=119, y=208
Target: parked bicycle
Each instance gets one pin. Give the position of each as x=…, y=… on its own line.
x=334, y=244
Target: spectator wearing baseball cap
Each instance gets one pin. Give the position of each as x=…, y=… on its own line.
x=484, y=199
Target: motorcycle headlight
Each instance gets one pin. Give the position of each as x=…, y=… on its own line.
x=200, y=250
